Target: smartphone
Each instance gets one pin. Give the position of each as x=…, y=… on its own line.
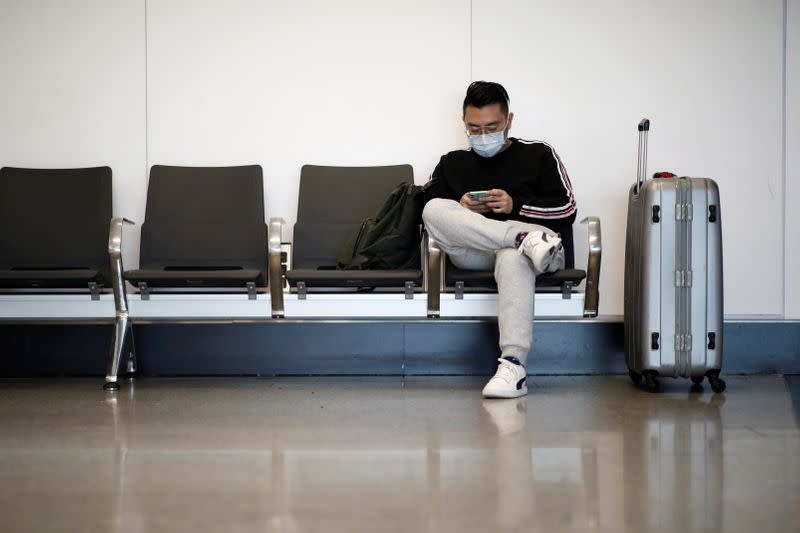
x=477, y=195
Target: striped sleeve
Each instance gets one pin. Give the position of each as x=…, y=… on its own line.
x=553, y=197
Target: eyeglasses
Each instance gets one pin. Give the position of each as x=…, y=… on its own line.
x=485, y=130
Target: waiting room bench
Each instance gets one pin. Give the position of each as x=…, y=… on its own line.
x=145, y=295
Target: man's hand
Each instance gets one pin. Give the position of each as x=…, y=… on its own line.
x=478, y=206
x=498, y=201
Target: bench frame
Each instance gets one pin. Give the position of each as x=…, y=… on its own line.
x=123, y=327
x=434, y=269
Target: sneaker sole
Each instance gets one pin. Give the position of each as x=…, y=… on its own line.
x=506, y=395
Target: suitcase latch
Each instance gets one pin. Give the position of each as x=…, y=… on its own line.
x=656, y=214
x=684, y=212
x=683, y=278
x=683, y=343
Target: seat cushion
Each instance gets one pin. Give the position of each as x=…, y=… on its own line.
x=49, y=278
x=353, y=278
x=195, y=278
x=485, y=278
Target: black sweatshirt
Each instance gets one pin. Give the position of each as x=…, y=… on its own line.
x=529, y=171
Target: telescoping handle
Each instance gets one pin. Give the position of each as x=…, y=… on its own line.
x=641, y=169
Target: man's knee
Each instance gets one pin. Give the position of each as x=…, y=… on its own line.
x=509, y=262
x=435, y=210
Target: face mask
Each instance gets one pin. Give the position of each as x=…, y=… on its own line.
x=488, y=144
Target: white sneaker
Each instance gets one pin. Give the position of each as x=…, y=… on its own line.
x=509, y=381
x=545, y=251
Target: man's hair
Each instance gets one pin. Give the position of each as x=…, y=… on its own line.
x=483, y=93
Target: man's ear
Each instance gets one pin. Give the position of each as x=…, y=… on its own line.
x=510, y=121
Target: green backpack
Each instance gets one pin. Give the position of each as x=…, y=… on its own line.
x=391, y=239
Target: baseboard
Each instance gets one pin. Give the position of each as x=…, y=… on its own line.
x=365, y=347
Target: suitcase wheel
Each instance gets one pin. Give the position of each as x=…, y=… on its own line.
x=651, y=382
x=717, y=384
x=635, y=377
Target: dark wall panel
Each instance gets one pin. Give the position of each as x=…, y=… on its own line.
x=363, y=348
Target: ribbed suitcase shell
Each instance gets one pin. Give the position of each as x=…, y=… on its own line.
x=673, y=278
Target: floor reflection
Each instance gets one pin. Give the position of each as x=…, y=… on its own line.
x=793, y=382
x=315, y=456
x=678, y=450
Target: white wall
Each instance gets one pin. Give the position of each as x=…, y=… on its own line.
x=285, y=83
x=708, y=74
x=282, y=83
x=72, y=92
x=793, y=161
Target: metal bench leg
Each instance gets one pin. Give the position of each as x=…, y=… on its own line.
x=123, y=329
x=130, y=372
x=122, y=333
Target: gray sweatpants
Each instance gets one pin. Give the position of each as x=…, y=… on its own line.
x=475, y=242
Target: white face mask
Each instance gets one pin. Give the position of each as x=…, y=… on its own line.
x=488, y=144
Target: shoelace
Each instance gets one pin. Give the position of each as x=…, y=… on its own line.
x=506, y=371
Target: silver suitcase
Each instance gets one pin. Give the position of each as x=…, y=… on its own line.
x=673, y=278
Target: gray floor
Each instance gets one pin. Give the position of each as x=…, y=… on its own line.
x=386, y=454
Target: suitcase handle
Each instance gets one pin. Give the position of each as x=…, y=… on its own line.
x=641, y=168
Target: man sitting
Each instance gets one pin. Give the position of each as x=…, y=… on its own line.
x=501, y=205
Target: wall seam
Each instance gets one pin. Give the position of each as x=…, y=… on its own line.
x=146, y=102
x=784, y=155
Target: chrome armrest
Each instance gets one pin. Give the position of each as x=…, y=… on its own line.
x=275, y=237
x=592, y=296
x=117, y=271
x=433, y=273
